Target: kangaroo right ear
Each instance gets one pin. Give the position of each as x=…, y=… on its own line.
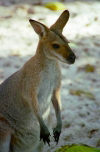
x=61, y=22
x=39, y=28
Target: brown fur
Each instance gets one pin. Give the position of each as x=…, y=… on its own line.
x=25, y=97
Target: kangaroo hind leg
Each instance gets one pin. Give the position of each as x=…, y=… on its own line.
x=5, y=136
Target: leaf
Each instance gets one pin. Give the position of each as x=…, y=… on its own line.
x=55, y=6
x=82, y=92
x=77, y=148
x=89, y=68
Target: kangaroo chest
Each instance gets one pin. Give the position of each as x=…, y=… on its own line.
x=48, y=81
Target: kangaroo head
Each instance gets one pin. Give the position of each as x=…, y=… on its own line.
x=52, y=42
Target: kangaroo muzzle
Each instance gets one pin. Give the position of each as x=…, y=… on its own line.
x=71, y=58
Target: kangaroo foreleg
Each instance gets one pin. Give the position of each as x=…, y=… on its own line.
x=57, y=106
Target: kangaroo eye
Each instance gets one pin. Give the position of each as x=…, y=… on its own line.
x=56, y=46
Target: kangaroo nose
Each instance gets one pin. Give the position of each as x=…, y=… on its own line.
x=71, y=58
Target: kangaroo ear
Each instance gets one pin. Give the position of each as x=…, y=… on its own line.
x=61, y=22
x=39, y=28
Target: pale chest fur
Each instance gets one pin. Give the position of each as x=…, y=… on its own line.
x=49, y=79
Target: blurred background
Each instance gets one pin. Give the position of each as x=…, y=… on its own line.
x=80, y=82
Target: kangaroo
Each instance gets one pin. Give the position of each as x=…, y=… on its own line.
x=26, y=96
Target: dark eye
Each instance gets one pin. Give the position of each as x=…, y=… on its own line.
x=56, y=46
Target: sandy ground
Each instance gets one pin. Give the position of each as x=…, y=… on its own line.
x=80, y=82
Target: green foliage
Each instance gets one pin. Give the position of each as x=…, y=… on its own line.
x=77, y=148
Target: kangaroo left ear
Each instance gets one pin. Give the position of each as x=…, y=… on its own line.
x=38, y=27
x=61, y=22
